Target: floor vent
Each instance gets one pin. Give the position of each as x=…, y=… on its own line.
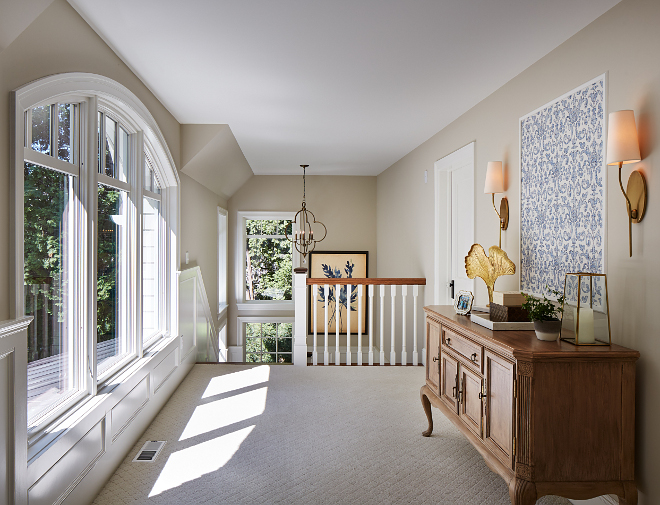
x=150, y=451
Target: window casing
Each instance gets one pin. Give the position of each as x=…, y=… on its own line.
x=265, y=261
x=87, y=151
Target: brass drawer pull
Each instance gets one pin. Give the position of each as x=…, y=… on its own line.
x=435, y=358
x=453, y=392
x=473, y=358
x=481, y=395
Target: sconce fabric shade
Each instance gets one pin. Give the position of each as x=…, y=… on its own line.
x=622, y=142
x=494, y=178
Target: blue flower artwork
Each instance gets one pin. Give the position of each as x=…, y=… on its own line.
x=340, y=299
x=335, y=273
x=562, y=188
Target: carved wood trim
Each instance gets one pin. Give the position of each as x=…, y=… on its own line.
x=525, y=368
x=524, y=472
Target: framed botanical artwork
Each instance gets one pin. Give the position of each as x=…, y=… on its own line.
x=334, y=265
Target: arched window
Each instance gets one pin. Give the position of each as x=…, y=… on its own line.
x=95, y=212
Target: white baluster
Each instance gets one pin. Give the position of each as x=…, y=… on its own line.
x=326, y=354
x=337, y=353
x=300, y=324
x=315, y=360
x=382, y=325
x=359, y=302
x=415, y=353
x=404, y=354
x=392, y=332
x=371, y=324
x=348, y=325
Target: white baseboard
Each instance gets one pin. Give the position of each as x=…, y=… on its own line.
x=235, y=354
x=609, y=499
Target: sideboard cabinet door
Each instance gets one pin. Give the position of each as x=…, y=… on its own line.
x=433, y=355
x=470, y=409
x=449, y=381
x=500, y=407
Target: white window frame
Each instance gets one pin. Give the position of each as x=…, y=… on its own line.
x=223, y=265
x=241, y=237
x=240, y=338
x=162, y=223
x=93, y=92
x=23, y=153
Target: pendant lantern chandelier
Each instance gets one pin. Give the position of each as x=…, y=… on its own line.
x=303, y=238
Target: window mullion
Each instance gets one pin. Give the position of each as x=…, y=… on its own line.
x=137, y=146
x=92, y=147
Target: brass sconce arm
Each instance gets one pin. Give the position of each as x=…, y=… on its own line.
x=635, y=192
x=502, y=214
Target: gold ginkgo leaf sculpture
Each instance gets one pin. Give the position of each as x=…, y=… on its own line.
x=490, y=267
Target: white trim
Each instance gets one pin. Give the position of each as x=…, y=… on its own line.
x=441, y=170
x=265, y=305
x=45, y=160
x=223, y=260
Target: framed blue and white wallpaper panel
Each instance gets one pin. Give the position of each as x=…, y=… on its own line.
x=563, y=188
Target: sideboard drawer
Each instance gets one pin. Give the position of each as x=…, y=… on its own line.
x=465, y=347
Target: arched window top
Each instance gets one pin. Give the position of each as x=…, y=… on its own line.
x=107, y=94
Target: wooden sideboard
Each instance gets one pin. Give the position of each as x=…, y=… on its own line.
x=548, y=417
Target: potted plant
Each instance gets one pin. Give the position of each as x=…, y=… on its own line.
x=545, y=314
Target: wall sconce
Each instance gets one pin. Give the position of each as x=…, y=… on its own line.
x=622, y=149
x=495, y=184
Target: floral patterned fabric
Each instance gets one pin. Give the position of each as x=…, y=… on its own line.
x=562, y=196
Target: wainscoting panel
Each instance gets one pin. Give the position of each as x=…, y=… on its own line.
x=163, y=370
x=122, y=414
x=76, y=462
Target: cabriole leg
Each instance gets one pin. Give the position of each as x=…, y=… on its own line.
x=427, y=410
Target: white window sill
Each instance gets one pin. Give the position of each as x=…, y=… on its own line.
x=266, y=306
x=222, y=311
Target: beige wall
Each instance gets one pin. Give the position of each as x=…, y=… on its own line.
x=60, y=41
x=346, y=205
x=625, y=42
x=199, y=234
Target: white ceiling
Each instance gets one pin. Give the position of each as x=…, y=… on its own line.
x=346, y=86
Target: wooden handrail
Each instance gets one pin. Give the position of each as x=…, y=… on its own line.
x=412, y=281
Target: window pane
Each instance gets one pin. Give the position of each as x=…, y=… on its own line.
x=150, y=267
x=41, y=129
x=49, y=224
x=284, y=358
x=112, y=277
x=64, y=134
x=110, y=147
x=122, y=155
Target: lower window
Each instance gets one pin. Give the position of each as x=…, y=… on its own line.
x=269, y=342
x=49, y=256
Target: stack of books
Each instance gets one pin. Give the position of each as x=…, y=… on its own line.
x=507, y=307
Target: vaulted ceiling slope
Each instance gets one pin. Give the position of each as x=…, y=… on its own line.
x=347, y=86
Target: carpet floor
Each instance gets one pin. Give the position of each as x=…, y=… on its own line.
x=240, y=434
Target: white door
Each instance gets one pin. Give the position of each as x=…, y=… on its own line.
x=454, y=222
x=462, y=226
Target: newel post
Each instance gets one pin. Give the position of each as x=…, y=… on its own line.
x=300, y=325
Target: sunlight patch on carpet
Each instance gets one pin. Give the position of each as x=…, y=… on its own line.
x=222, y=413
x=237, y=380
x=201, y=459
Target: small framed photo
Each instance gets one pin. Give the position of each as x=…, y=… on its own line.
x=463, y=302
